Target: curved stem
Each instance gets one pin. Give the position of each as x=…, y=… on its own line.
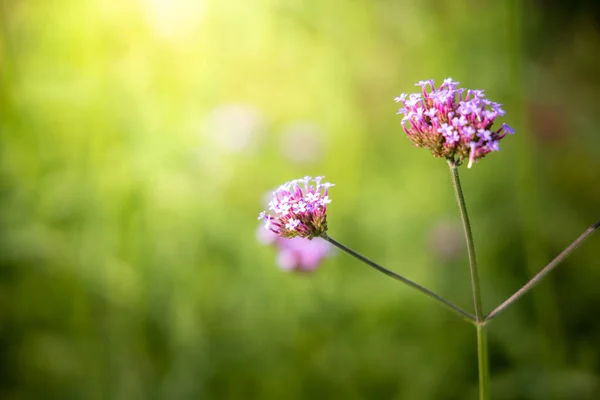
x=456, y=309
x=482, y=346
x=545, y=271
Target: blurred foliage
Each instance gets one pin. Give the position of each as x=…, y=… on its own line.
x=138, y=139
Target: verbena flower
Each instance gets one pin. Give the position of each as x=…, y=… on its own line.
x=452, y=123
x=299, y=208
x=300, y=254
x=297, y=254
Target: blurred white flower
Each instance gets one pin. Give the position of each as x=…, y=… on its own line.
x=234, y=128
x=302, y=142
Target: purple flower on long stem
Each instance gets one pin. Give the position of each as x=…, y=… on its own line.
x=299, y=208
x=452, y=123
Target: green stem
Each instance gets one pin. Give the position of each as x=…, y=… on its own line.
x=460, y=198
x=482, y=346
x=456, y=309
x=545, y=271
x=483, y=360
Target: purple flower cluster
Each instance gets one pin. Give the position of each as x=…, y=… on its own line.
x=297, y=254
x=299, y=212
x=453, y=123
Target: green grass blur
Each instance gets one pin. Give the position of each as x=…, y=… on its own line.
x=138, y=140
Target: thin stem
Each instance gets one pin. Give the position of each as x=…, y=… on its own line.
x=482, y=346
x=456, y=309
x=483, y=360
x=545, y=271
x=469, y=237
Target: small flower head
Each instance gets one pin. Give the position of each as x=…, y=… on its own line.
x=453, y=123
x=300, y=254
x=297, y=254
x=299, y=208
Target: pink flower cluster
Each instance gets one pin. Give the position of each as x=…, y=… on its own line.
x=452, y=123
x=297, y=254
x=299, y=211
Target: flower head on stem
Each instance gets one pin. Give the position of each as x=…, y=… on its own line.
x=452, y=123
x=299, y=208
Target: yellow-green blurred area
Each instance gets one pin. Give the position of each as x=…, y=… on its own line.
x=138, y=141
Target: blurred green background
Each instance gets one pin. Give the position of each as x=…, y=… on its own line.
x=138, y=140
